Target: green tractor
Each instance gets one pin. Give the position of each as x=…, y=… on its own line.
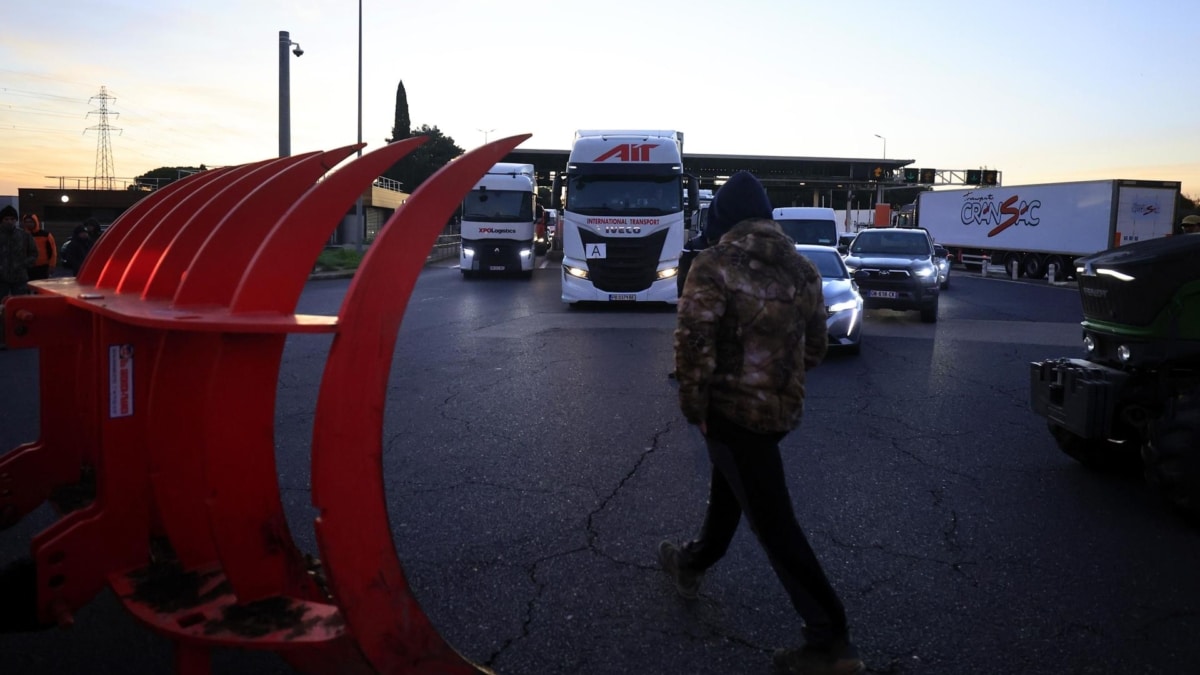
x=1134, y=400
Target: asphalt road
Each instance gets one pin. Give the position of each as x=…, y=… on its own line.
x=535, y=457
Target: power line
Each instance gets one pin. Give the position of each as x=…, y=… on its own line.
x=35, y=94
x=26, y=110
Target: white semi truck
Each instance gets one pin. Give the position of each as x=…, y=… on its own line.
x=1035, y=226
x=623, y=221
x=498, y=222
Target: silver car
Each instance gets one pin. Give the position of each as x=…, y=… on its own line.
x=843, y=303
x=941, y=258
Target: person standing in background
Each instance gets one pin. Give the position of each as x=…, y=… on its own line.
x=1190, y=225
x=76, y=250
x=47, y=249
x=17, y=254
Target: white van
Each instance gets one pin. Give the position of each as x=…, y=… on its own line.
x=808, y=224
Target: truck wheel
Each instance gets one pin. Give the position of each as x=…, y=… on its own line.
x=1010, y=260
x=1100, y=455
x=1059, y=264
x=1171, y=455
x=1033, y=266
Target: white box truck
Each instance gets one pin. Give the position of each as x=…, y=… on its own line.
x=498, y=223
x=1036, y=226
x=623, y=221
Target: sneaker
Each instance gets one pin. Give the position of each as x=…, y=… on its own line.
x=687, y=582
x=841, y=659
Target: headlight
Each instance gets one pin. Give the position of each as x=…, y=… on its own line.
x=924, y=271
x=842, y=306
x=1124, y=353
x=668, y=273
x=576, y=271
x=1089, y=344
x=468, y=252
x=525, y=253
x=1120, y=276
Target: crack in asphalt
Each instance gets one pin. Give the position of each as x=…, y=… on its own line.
x=531, y=605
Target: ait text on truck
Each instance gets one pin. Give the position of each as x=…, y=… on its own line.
x=498, y=222
x=623, y=220
x=1033, y=227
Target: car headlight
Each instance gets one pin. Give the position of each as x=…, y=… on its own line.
x=924, y=271
x=842, y=306
x=577, y=272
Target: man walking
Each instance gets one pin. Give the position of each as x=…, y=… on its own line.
x=751, y=321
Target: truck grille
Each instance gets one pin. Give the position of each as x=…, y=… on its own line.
x=498, y=253
x=630, y=263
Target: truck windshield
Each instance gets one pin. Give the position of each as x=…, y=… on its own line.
x=625, y=195
x=498, y=206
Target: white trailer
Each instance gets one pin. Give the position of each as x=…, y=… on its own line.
x=1036, y=226
x=623, y=221
x=498, y=222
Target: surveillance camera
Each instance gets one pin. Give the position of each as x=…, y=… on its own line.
x=297, y=51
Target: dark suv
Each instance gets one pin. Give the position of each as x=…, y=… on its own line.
x=896, y=269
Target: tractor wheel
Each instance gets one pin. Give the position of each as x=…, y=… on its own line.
x=1100, y=455
x=1171, y=455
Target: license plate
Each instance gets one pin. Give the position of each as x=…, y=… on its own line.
x=882, y=294
x=622, y=297
x=497, y=268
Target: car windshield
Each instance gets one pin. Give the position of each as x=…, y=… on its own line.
x=828, y=263
x=891, y=242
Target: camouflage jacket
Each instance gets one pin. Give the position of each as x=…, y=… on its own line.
x=751, y=320
x=18, y=253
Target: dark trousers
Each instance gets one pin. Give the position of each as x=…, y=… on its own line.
x=7, y=289
x=747, y=477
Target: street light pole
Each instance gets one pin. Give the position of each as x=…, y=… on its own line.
x=485, y=133
x=285, y=93
x=879, y=187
